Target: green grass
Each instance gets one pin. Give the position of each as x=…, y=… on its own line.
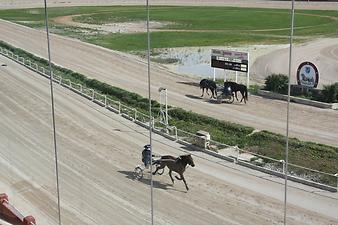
x=130, y=42
x=208, y=26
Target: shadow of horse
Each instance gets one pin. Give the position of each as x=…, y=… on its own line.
x=156, y=184
x=193, y=96
x=188, y=83
x=147, y=181
x=213, y=101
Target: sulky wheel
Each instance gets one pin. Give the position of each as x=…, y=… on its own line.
x=138, y=173
x=229, y=99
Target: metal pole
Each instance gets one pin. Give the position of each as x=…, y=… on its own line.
x=166, y=108
x=53, y=116
x=288, y=112
x=225, y=76
x=150, y=121
x=248, y=73
x=214, y=74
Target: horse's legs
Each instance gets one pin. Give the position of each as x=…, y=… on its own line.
x=213, y=93
x=202, y=92
x=158, y=168
x=182, y=178
x=172, y=179
x=207, y=91
x=243, y=96
x=236, y=95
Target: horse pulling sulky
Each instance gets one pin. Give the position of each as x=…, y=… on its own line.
x=227, y=93
x=176, y=164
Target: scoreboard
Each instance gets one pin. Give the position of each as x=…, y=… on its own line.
x=230, y=60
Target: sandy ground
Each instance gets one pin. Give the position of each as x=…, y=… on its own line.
x=97, y=152
x=127, y=27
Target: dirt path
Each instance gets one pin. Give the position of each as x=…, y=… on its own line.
x=126, y=27
x=97, y=153
x=322, y=52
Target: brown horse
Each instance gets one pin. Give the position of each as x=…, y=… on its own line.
x=177, y=165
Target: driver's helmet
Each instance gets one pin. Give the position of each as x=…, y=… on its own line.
x=227, y=90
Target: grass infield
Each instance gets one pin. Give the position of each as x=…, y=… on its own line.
x=186, y=26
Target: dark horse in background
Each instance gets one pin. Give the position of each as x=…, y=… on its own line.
x=177, y=165
x=237, y=87
x=208, y=85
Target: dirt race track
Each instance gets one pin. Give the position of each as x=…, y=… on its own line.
x=97, y=153
x=130, y=73
x=98, y=150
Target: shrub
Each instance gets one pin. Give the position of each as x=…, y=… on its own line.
x=254, y=88
x=277, y=83
x=330, y=93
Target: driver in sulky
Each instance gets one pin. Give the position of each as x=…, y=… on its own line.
x=146, y=155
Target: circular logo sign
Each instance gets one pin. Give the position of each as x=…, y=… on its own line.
x=307, y=75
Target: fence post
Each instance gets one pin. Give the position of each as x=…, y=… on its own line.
x=93, y=94
x=176, y=134
x=105, y=101
x=336, y=175
x=81, y=90
x=135, y=114
x=119, y=107
x=153, y=123
x=237, y=155
x=283, y=163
